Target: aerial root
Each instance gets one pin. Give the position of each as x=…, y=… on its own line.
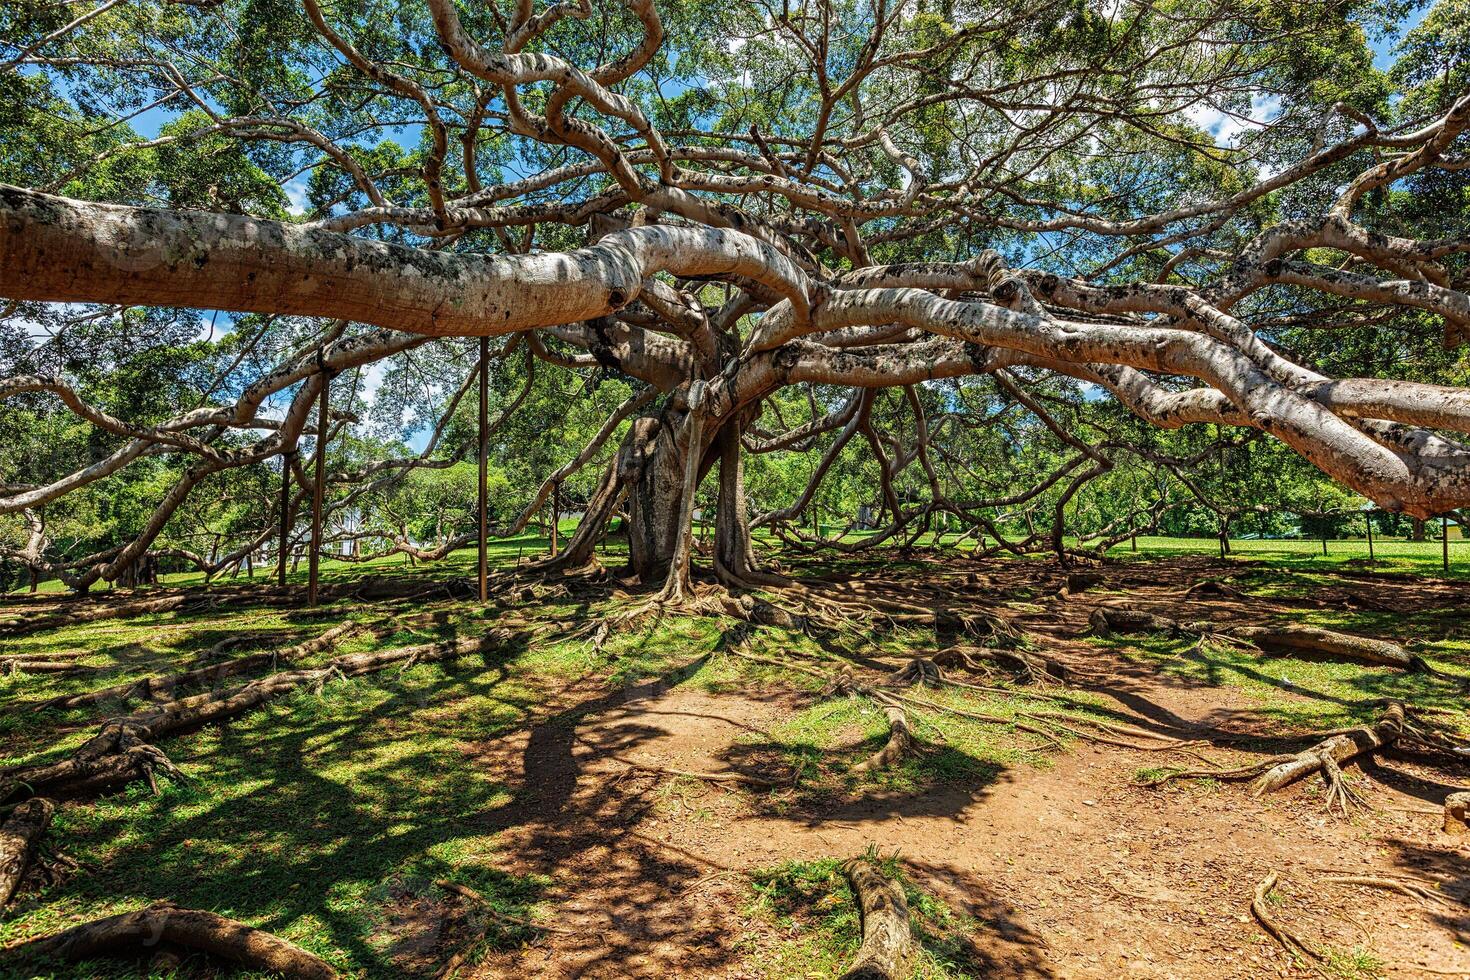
x=887, y=948
x=19, y=837
x=140, y=931
x=1289, y=941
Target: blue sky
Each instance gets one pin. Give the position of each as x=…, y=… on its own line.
x=1383, y=47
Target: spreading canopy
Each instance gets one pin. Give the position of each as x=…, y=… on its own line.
x=1192, y=208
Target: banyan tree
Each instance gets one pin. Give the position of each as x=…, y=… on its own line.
x=722, y=201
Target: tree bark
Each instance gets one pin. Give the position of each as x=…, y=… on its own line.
x=122, y=750
x=887, y=948
x=1311, y=639
x=135, y=932
x=1327, y=755
x=19, y=836
x=650, y=470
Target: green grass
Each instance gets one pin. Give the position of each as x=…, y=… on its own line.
x=300, y=817
x=1313, y=694
x=1391, y=555
x=1358, y=963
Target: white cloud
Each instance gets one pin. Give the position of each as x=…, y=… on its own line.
x=296, y=192
x=1228, y=128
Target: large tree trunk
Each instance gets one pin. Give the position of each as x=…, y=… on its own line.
x=652, y=470
x=734, y=557
x=653, y=497
x=649, y=469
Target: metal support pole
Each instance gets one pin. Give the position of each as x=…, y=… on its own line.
x=1444, y=528
x=318, y=485
x=285, y=516
x=1368, y=523
x=484, y=504
x=555, y=514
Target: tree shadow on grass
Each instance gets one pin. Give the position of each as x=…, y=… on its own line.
x=295, y=820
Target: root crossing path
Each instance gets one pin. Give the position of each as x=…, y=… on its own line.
x=1074, y=869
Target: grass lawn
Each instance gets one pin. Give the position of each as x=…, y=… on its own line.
x=1390, y=555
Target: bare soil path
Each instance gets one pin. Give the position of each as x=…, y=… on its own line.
x=1075, y=871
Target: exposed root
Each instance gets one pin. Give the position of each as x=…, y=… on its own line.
x=51, y=663
x=71, y=615
x=19, y=837
x=1232, y=775
x=887, y=949
x=1215, y=589
x=136, y=932
x=491, y=916
x=1289, y=941
x=1457, y=814
x=466, y=892
x=1109, y=621
x=1025, y=666
x=1328, y=755
x=1408, y=889
x=1329, y=643
x=375, y=588
x=121, y=751
x=163, y=685
x=1081, y=582
x=1065, y=722
x=900, y=744
x=1045, y=728
x=922, y=671
x=669, y=601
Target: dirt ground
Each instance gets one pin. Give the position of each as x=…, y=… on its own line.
x=1074, y=870
x=1071, y=868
